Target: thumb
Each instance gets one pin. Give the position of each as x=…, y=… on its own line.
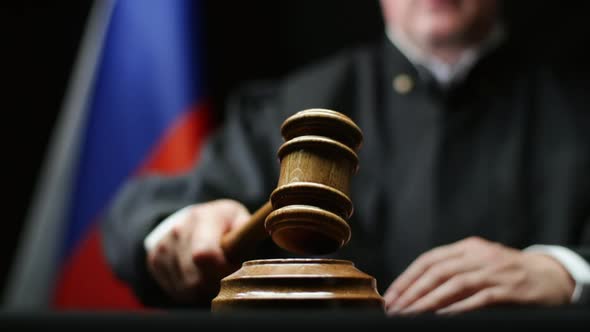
x=214, y=220
x=239, y=217
x=206, y=238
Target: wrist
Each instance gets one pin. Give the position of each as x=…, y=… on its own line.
x=548, y=265
x=576, y=265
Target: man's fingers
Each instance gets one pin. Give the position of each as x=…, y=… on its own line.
x=417, y=268
x=390, y=297
x=455, y=289
x=485, y=297
x=436, y=275
x=191, y=274
x=162, y=265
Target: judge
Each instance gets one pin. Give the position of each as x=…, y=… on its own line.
x=473, y=188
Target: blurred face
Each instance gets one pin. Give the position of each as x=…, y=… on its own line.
x=433, y=23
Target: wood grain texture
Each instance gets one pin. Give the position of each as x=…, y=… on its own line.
x=311, y=203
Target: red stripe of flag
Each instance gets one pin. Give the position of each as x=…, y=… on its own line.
x=86, y=280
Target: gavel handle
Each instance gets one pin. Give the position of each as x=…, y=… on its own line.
x=241, y=240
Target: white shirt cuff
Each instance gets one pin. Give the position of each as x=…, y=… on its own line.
x=577, y=267
x=164, y=228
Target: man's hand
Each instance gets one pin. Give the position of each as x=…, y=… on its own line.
x=474, y=273
x=188, y=262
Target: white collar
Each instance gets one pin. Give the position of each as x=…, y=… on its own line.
x=444, y=73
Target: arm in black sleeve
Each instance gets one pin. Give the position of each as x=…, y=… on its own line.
x=238, y=162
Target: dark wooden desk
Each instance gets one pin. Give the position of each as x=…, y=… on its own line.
x=511, y=319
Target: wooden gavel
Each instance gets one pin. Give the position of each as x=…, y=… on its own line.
x=308, y=211
x=307, y=215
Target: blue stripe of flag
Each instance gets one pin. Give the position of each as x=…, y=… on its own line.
x=148, y=75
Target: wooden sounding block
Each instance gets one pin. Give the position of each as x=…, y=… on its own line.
x=302, y=284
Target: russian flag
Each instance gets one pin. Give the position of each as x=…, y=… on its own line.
x=136, y=105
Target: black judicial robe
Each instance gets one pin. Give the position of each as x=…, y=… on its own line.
x=504, y=155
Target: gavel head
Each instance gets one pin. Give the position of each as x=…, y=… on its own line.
x=311, y=203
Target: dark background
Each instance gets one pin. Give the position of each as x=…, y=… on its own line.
x=245, y=40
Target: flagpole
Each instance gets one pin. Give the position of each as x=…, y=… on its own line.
x=31, y=279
